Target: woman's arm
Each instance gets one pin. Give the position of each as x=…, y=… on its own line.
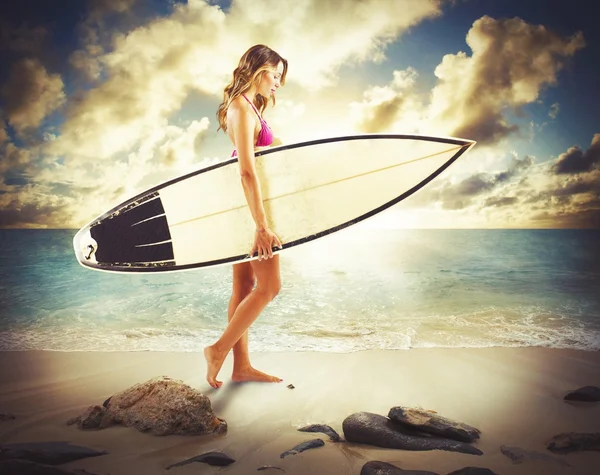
x=242, y=122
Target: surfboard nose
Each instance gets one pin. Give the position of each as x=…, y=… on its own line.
x=85, y=247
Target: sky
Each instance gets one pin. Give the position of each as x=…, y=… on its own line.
x=103, y=99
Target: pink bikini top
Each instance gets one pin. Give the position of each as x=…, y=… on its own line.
x=265, y=136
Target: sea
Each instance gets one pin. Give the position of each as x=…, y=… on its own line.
x=358, y=289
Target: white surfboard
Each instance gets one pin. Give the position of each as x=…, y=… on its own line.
x=310, y=189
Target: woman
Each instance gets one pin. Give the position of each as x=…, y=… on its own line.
x=260, y=72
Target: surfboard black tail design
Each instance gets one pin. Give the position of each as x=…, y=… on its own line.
x=135, y=235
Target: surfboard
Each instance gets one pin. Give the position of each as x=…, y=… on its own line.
x=310, y=190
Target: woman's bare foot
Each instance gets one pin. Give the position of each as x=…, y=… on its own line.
x=248, y=373
x=214, y=361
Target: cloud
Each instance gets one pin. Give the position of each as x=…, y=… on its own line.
x=575, y=161
x=525, y=194
x=101, y=7
x=511, y=63
x=3, y=132
x=468, y=192
x=14, y=159
x=381, y=106
x=96, y=34
x=22, y=39
x=554, y=109
x=31, y=94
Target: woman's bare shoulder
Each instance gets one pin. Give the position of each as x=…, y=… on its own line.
x=239, y=110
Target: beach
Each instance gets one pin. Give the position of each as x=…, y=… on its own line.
x=514, y=396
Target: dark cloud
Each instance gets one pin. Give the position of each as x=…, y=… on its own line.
x=512, y=62
x=383, y=115
x=498, y=201
x=30, y=94
x=22, y=39
x=18, y=215
x=575, y=161
x=462, y=195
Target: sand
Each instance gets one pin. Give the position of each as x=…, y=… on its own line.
x=513, y=395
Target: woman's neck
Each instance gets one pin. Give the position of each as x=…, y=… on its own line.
x=250, y=94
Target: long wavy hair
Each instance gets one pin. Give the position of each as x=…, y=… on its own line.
x=255, y=61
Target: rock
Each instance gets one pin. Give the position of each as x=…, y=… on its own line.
x=160, y=406
x=574, y=442
x=433, y=424
x=325, y=429
x=519, y=455
x=586, y=394
x=269, y=467
x=291, y=386
x=25, y=467
x=309, y=444
x=374, y=429
x=50, y=453
x=376, y=467
x=218, y=459
x=6, y=416
x=473, y=471
x=90, y=419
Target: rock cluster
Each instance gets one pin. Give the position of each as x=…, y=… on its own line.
x=160, y=406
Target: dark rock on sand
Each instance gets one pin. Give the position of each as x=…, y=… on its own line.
x=519, y=455
x=269, y=467
x=585, y=394
x=6, y=416
x=433, y=424
x=325, y=429
x=574, y=442
x=291, y=386
x=374, y=429
x=50, y=453
x=90, y=419
x=218, y=459
x=376, y=467
x=160, y=406
x=473, y=471
x=309, y=444
x=25, y=467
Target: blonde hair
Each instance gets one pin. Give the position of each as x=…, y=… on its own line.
x=253, y=63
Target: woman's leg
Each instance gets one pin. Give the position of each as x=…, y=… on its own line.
x=267, y=287
x=243, y=283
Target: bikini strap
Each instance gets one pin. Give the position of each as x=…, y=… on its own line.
x=253, y=107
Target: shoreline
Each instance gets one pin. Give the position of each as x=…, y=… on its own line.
x=513, y=395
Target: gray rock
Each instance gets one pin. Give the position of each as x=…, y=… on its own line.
x=377, y=467
x=433, y=424
x=218, y=459
x=377, y=430
x=6, y=416
x=160, y=406
x=25, y=467
x=309, y=444
x=519, y=455
x=269, y=467
x=325, y=429
x=473, y=471
x=574, y=442
x=586, y=394
x=90, y=419
x=50, y=453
